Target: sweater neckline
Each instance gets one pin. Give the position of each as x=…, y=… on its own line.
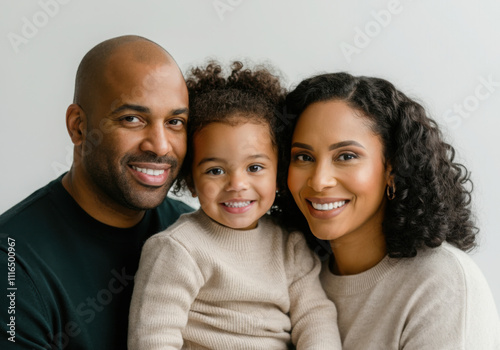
x=231, y=238
x=354, y=284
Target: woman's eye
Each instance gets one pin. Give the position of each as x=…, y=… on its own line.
x=215, y=171
x=347, y=156
x=255, y=168
x=303, y=158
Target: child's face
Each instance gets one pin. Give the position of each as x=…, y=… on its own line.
x=234, y=172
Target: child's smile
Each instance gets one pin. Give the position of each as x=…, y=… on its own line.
x=234, y=172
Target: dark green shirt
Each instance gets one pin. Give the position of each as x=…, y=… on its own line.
x=67, y=278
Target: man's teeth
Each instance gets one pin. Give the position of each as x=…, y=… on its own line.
x=237, y=204
x=154, y=172
x=327, y=206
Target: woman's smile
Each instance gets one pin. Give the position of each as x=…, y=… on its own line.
x=337, y=173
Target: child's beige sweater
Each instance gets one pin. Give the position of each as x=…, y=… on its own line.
x=203, y=285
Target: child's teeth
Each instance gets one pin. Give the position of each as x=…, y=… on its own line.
x=327, y=206
x=236, y=204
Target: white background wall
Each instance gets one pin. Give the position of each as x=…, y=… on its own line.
x=441, y=52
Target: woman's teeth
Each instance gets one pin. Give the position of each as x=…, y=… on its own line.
x=237, y=204
x=327, y=206
x=149, y=171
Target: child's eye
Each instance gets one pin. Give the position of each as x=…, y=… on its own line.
x=303, y=158
x=255, y=168
x=215, y=171
x=347, y=156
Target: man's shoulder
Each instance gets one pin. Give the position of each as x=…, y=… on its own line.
x=169, y=211
x=35, y=202
x=171, y=204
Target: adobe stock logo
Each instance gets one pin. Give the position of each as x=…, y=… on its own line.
x=460, y=111
x=31, y=26
x=223, y=6
x=364, y=36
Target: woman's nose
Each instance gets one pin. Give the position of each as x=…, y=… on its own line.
x=323, y=177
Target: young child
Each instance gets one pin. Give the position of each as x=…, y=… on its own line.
x=227, y=276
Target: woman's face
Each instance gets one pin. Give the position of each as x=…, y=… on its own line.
x=337, y=174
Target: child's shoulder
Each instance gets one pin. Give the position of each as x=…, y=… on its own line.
x=291, y=237
x=187, y=223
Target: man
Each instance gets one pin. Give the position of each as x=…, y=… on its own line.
x=72, y=247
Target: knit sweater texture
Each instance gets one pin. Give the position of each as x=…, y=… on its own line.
x=437, y=300
x=201, y=285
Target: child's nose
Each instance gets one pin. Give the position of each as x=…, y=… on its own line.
x=237, y=181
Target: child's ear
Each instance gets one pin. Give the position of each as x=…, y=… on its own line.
x=193, y=192
x=190, y=186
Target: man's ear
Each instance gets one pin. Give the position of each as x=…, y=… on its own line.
x=76, y=121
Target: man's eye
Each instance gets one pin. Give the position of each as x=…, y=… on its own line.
x=215, y=171
x=176, y=122
x=130, y=119
x=255, y=168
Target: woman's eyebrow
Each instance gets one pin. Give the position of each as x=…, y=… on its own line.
x=302, y=145
x=345, y=143
x=331, y=147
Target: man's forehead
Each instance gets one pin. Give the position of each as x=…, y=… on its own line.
x=135, y=75
x=141, y=51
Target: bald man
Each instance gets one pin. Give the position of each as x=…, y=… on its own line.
x=72, y=247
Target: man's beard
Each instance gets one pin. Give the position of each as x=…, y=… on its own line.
x=118, y=186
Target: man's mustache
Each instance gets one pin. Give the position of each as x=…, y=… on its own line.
x=153, y=159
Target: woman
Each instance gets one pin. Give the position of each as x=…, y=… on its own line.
x=372, y=175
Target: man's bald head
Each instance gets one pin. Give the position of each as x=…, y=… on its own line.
x=130, y=112
x=91, y=73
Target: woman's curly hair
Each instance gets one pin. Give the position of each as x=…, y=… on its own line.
x=433, y=192
x=244, y=95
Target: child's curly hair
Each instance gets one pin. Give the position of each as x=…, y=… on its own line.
x=244, y=95
x=433, y=192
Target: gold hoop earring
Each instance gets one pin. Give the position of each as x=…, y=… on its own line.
x=391, y=192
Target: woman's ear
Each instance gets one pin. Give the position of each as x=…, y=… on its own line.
x=391, y=186
x=389, y=176
x=76, y=123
